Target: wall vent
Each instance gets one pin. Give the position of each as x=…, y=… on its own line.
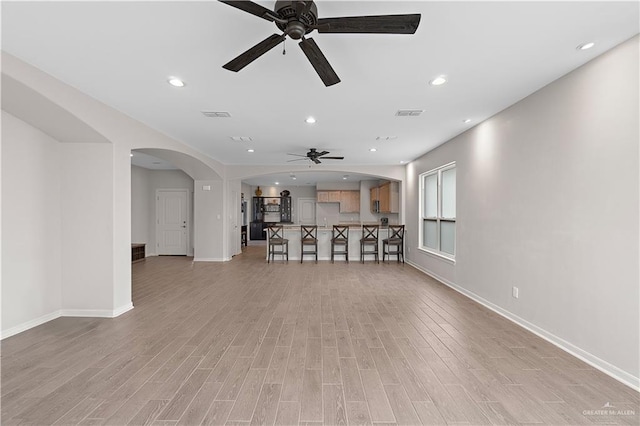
x=216, y=114
x=409, y=112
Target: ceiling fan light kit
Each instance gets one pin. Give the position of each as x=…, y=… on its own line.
x=299, y=18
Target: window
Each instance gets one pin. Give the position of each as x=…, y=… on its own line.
x=438, y=211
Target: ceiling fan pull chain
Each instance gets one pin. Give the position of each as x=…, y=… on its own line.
x=284, y=46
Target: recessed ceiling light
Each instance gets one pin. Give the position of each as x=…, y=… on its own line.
x=402, y=161
x=585, y=46
x=130, y=155
x=293, y=177
x=277, y=183
x=310, y=120
x=372, y=149
x=345, y=177
x=175, y=81
x=250, y=150
x=467, y=120
x=438, y=81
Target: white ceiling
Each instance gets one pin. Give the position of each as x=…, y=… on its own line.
x=493, y=54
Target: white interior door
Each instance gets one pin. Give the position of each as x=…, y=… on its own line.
x=172, y=227
x=307, y=211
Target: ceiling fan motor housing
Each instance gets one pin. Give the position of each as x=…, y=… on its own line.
x=296, y=27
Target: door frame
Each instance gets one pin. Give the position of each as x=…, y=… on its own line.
x=188, y=218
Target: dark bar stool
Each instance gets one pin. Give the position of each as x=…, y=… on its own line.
x=276, y=239
x=396, y=239
x=369, y=239
x=340, y=237
x=308, y=238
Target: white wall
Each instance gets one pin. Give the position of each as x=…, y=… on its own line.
x=31, y=226
x=94, y=245
x=209, y=221
x=58, y=229
x=141, y=210
x=87, y=208
x=547, y=196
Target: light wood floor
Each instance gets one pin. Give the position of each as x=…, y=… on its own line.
x=245, y=342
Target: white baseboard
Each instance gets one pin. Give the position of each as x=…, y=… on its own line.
x=211, y=259
x=30, y=324
x=91, y=313
x=122, y=309
x=97, y=313
x=600, y=364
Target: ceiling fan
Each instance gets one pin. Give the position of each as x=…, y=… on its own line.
x=298, y=18
x=315, y=156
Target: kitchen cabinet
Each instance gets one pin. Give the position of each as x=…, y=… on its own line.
x=328, y=196
x=267, y=211
x=349, y=201
x=322, y=196
x=384, y=194
x=374, y=197
x=385, y=198
x=255, y=231
x=285, y=209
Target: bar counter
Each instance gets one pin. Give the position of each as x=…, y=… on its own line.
x=292, y=233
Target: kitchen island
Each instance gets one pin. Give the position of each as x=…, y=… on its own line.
x=292, y=233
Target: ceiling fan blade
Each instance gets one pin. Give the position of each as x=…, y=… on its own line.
x=315, y=160
x=252, y=8
x=297, y=155
x=319, y=62
x=254, y=53
x=332, y=158
x=297, y=159
x=319, y=154
x=383, y=24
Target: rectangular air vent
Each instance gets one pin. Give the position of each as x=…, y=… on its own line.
x=216, y=114
x=409, y=112
x=241, y=138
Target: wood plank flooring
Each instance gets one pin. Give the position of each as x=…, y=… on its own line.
x=251, y=343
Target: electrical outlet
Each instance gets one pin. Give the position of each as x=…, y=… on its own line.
x=515, y=292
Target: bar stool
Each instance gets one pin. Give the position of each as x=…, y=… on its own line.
x=340, y=237
x=276, y=238
x=369, y=239
x=396, y=238
x=308, y=238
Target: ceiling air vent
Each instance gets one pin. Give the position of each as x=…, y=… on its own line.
x=409, y=112
x=216, y=114
x=241, y=138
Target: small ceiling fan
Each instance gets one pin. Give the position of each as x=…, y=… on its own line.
x=315, y=156
x=298, y=18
